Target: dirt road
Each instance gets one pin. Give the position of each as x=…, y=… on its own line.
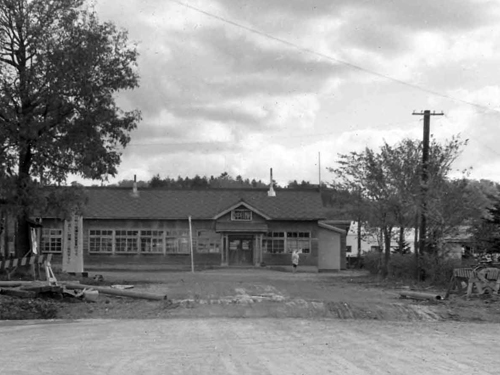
x=248, y=346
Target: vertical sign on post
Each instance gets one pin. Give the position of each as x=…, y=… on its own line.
x=73, y=245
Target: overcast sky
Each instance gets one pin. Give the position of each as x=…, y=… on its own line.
x=302, y=77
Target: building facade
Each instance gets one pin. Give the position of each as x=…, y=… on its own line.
x=220, y=227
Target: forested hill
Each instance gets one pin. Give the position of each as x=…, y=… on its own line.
x=222, y=181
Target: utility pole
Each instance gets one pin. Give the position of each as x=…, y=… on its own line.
x=319, y=170
x=423, y=184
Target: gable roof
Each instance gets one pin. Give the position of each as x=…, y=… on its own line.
x=120, y=203
x=241, y=203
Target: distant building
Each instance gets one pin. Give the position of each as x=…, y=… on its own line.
x=230, y=227
x=370, y=241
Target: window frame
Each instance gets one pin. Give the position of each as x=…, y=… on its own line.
x=274, y=238
x=108, y=236
x=130, y=236
x=301, y=238
x=178, y=241
x=156, y=239
x=47, y=241
x=207, y=242
x=285, y=239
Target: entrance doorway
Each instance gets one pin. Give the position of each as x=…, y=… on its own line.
x=240, y=249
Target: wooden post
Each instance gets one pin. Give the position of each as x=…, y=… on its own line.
x=191, y=244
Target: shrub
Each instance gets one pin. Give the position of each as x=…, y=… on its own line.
x=372, y=261
x=437, y=269
x=22, y=309
x=402, y=266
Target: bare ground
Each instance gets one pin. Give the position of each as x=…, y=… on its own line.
x=248, y=346
x=373, y=331
x=263, y=293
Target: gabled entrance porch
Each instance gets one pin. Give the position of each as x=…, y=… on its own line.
x=241, y=249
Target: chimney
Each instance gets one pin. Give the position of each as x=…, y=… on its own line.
x=135, y=192
x=271, y=192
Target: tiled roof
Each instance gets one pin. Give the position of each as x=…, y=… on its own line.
x=120, y=203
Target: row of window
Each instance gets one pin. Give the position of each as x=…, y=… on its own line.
x=143, y=241
x=286, y=242
x=170, y=242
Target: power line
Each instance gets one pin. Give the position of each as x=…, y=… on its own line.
x=470, y=136
x=334, y=59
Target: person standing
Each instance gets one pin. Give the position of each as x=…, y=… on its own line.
x=295, y=260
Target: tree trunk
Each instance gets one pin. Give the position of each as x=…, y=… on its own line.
x=415, y=246
x=359, y=243
x=401, y=239
x=23, y=235
x=23, y=182
x=387, y=231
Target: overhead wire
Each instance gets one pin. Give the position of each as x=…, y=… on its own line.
x=469, y=135
x=331, y=58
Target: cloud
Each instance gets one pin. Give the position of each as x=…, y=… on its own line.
x=216, y=97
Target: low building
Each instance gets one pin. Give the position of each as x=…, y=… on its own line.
x=371, y=242
x=228, y=227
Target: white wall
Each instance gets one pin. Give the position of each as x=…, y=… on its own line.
x=367, y=241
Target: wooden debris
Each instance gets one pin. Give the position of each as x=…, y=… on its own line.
x=420, y=295
x=118, y=292
x=479, y=279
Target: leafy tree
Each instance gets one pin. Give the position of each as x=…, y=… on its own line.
x=60, y=69
x=304, y=184
x=389, y=186
x=486, y=232
x=198, y=182
x=364, y=176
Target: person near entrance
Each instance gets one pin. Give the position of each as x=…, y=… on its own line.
x=295, y=259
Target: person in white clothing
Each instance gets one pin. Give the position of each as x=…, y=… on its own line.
x=295, y=259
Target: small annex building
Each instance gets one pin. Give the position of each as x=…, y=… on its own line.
x=229, y=227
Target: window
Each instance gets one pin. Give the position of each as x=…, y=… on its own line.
x=298, y=241
x=100, y=241
x=51, y=240
x=241, y=215
x=207, y=242
x=152, y=241
x=348, y=249
x=177, y=242
x=126, y=241
x=274, y=243
x=286, y=242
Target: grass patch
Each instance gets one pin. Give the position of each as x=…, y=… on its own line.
x=12, y=308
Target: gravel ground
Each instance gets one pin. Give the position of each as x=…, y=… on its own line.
x=257, y=293
x=248, y=346
x=260, y=293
